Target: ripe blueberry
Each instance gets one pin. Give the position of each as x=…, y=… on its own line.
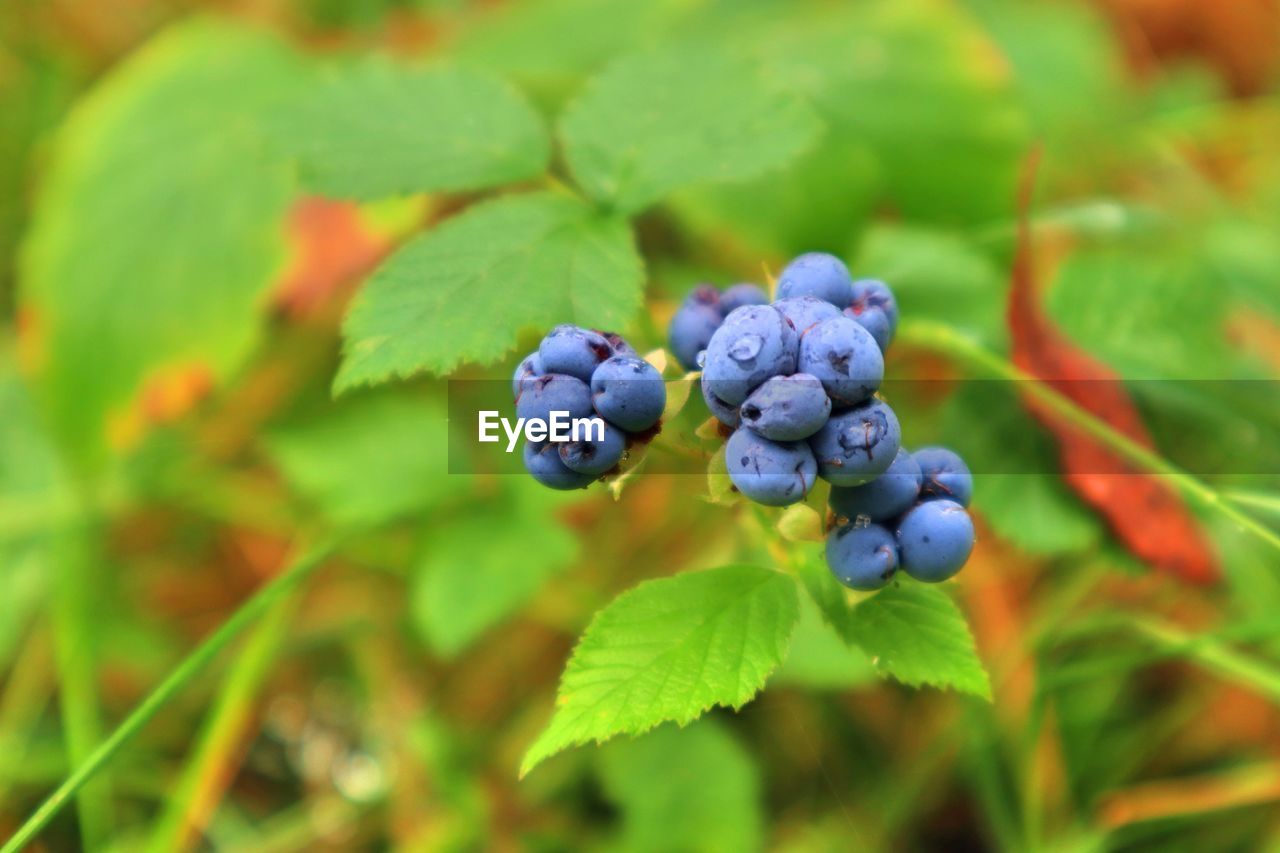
x=805, y=312
x=817, y=274
x=856, y=446
x=862, y=557
x=594, y=457
x=845, y=358
x=542, y=460
x=741, y=294
x=769, y=472
x=628, y=392
x=885, y=497
x=530, y=368
x=787, y=408
x=934, y=540
x=554, y=392
x=945, y=475
x=725, y=413
x=754, y=343
x=871, y=293
x=574, y=351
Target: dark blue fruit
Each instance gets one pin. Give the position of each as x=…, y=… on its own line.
x=628, y=392
x=787, y=408
x=755, y=343
x=870, y=293
x=817, y=274
x=769, y=472
x=862, y=557
x=554, y=392
x=693, y=324
x=845, y=358
x=574, y=351
x=805, y=312
x=726, y=413
x=935, y=540
x=594, y=457
x=742, y=294
x=542, y=460
x=885, y=497
x=875, y=321
x=529, y=368
x=858, y=445
x=945, y=475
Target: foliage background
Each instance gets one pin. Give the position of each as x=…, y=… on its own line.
x=173, y=288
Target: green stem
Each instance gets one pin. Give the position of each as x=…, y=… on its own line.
x=195, y=795
x=75, y=645
x=1255, y=500
x=190, y=666
x=949, y=341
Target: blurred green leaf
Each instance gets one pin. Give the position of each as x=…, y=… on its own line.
x=670, y=649
x=376, y=128
x=463, y=291
x=709, y=798
x=947, y=133
x=937, y=275
x=158, y=226
x=370, y=459
x=655, y=122
x=492, y=562
x=916, y=634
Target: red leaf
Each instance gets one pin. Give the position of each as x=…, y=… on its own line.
x=1144, y=512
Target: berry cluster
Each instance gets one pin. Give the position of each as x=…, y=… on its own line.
x=796, y=382
x=585, y=373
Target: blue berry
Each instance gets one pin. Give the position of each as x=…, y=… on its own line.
x=870, y=293
x=742, y=294
x=554, y=392
x=693, y=325
x=945, y=475
x=574, y=351
x=862, y=557
x=787, y=408
x=769, y=472
x=844, y=356
x=628, y=392
x=754, y=343
x=885, y=497
x=934, y=540
x=594, y=457
x=530, y=368
x=805, y=312
x=542, y=460
x=726, y=413
x=856, y=446
x=619, y=346
x=817, y=274
x=875, y=321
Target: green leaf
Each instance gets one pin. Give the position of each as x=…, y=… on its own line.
x=464, y=291
x=669, y=650
x=820, y=658
x=916, y=634
x=824, y=590
x=370, y=459
x=378, y=128
x=656, y=122
x=492, y=562
x=157, y=229
x=709, y=798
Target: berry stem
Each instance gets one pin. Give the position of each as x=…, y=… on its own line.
x=257, y=604
x=947, y=340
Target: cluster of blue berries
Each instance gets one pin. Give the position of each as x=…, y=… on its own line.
x=795, y=380
x=584, y=373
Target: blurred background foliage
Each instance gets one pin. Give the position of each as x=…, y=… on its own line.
x=167, y=432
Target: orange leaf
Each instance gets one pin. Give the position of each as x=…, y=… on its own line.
x=1143, y=511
